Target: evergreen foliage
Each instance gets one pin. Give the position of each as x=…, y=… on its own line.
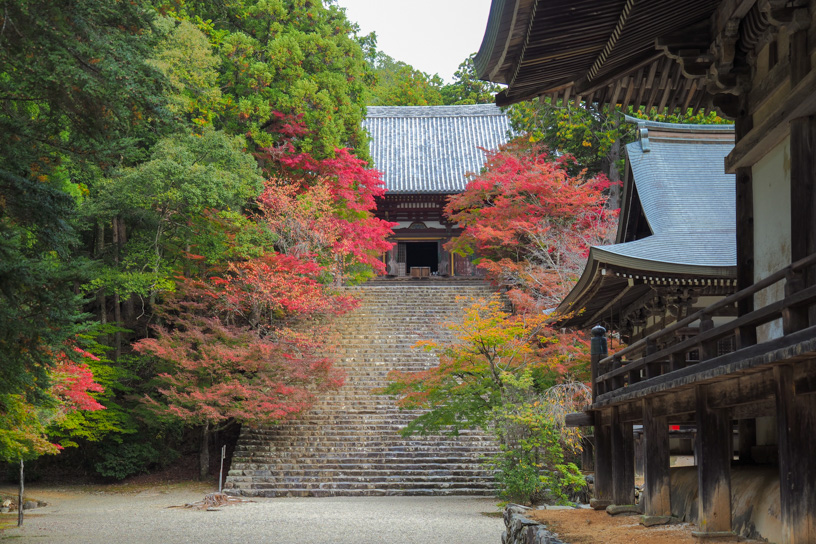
x=138, y=141
x=400, y=84
x=467, y=88
x=295, y=57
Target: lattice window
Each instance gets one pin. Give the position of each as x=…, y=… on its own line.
x=726, y=345
x=401, y=253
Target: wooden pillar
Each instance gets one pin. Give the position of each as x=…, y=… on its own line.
x=598, y=351
x=708, y=350
x=714, y=452
x=623, y=460
x=803, y=177
x=747, y=439
x=588, y=453
x=653, y=369
x=803, y=228
x=746, y=336
x=656, y=462
x=603, y=463
x=796, y=427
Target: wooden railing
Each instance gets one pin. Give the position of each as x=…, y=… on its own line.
x=615, y=373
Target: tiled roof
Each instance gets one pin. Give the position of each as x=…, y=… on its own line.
x=688, y=201
x=429, y=149
x=687, y=198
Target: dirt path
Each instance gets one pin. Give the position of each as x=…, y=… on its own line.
x=595, y=527
x=94, y=515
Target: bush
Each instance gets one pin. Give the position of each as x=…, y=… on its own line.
x=530, y=466
x=128, y=459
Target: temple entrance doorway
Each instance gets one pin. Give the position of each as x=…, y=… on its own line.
x=424, y=254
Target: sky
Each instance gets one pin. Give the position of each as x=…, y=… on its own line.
x=434, y=36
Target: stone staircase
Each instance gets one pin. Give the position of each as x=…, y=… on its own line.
x=349, y=443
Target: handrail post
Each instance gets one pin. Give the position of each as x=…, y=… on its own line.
x=653, y=369
x=598, y=350
x=794, y=318
x=708, y=350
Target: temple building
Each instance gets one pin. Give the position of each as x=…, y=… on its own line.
x=675, y=249
x=752, y=61
x=425, y=154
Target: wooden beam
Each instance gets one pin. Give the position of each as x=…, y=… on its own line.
x=630, y=88
x=588, y=453
x=799, y=56
x=778, y=76
x=801, y=102
x=713, y=466
x=657, y=480
x=600, y=313
x=803, y=184
x=603, y=462
x=757, y=317
x=763, y=408
x=797, y=346
x=641, y=300
x=753, y=391
x=689, y=96
x=614, y=98
x=796, y=428
x=623, y=460
x=730, y=9
x=580, y=419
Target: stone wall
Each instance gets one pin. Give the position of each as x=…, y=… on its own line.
x=521, y=530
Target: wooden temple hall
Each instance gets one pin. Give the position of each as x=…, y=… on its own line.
x=425, y=154
x=724, y=348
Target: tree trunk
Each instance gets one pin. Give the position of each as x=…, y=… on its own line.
x=204, y=452
x=128, y=304
x=20, y=495
x=101, y=300
x=117, y=307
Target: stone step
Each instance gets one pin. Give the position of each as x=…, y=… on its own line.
x=349, y=443
x=257, y=459
x=375, y=469
x=345, y=492
x=383, y=484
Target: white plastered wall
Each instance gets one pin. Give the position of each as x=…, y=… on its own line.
x=772, y=235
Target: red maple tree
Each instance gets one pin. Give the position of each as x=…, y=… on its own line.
x=243, y=341
x=324, y=209
x=231, y=349
x=530, y=222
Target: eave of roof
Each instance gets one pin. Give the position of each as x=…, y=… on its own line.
x=689, y=203
x=591, y=48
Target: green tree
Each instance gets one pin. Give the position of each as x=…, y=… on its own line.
x=467, y=88
x=39, y=308
x=400, y=84
x=592, y=135
x=164, y=198
x=75, y=86
x=294, y=57
x=499, y=374
x=188, y=61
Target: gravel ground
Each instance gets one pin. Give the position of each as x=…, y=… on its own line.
x=88, y=516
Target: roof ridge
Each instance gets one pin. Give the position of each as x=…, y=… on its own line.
x=460, y=110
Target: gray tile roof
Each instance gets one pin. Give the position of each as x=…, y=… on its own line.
x=429, y=149
x=688, y=201
x=689, y=204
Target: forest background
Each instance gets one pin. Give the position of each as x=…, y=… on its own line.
x=184, y=185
